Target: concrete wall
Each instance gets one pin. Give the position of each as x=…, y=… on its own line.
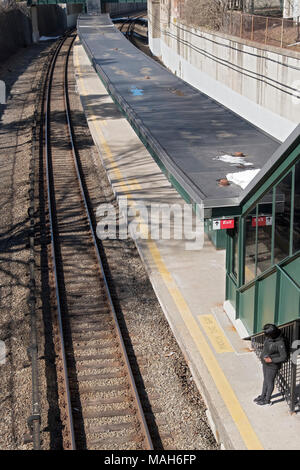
x=72, y=13
x=154, y=26
x=259, y=83
x=15, y=32
x=55, y=19
x=122, y=8
x=291, y=9
x=94, y=7
x=16, y=25
x=51, y=19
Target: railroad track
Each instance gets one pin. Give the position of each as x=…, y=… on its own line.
x=98, y=398
x=137, y=34
x=129, y=28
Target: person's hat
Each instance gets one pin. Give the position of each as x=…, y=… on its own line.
x=271, y=330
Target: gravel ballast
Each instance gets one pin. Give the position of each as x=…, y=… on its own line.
x=174, y=408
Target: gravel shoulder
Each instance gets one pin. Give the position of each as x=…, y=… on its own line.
x=21, y=74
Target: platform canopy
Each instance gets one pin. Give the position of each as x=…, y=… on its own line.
x=55, y=2
x=198, y=143
x=52, y=2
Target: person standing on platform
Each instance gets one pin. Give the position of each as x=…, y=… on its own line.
x=274, y=353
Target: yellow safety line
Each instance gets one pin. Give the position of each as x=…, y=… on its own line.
x=215, y=334
x=229, y=397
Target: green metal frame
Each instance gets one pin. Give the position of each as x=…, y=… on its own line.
x=274, y=187
x=276, y=175
x=273, y=295
x=217, y=237
x=284, y=303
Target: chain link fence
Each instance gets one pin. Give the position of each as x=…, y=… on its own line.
x=280, y=32
x=268, y=30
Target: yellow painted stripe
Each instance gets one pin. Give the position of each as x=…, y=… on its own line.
x=230, y=399
x=215, y=334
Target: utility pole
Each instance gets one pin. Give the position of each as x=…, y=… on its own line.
x=35, y=23
x=248, y=6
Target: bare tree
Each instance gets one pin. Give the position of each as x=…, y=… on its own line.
x=9, y=5
x=207, y=13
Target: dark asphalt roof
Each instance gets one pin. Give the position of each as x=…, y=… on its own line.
x=185, y=128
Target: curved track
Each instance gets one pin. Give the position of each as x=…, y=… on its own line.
x=129, y=28
x=100, y=406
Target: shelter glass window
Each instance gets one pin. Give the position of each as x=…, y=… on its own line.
x=234, y=233
x=264, y=233
x=282, y=218
x=250, y=247
x=296, y=225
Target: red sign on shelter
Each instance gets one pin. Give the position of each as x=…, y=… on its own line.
x=262, y=221
x=223, y=224
x=227, y=223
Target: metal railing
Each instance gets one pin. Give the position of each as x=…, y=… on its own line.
x=268, y=30
x=288, y=377
x=257, y=283
x=272, y=31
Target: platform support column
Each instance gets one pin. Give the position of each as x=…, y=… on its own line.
x=35, y=24
x=154, y=26
x=94, y=7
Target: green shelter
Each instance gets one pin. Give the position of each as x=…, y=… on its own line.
x=263, y=248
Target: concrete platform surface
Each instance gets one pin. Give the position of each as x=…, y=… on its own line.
x=189, y=284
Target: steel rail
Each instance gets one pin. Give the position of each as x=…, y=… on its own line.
x=55, y=251
x=50, y=192
x=130, y=19
x=137, y=403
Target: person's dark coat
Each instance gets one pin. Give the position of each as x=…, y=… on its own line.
x=276, y=350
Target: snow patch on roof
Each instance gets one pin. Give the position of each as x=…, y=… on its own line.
x=242, y=178
x=233, y=160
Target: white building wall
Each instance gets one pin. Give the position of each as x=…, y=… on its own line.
x=259, y=83
x=291, y=9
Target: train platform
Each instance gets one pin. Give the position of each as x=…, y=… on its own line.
x=189, y=284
